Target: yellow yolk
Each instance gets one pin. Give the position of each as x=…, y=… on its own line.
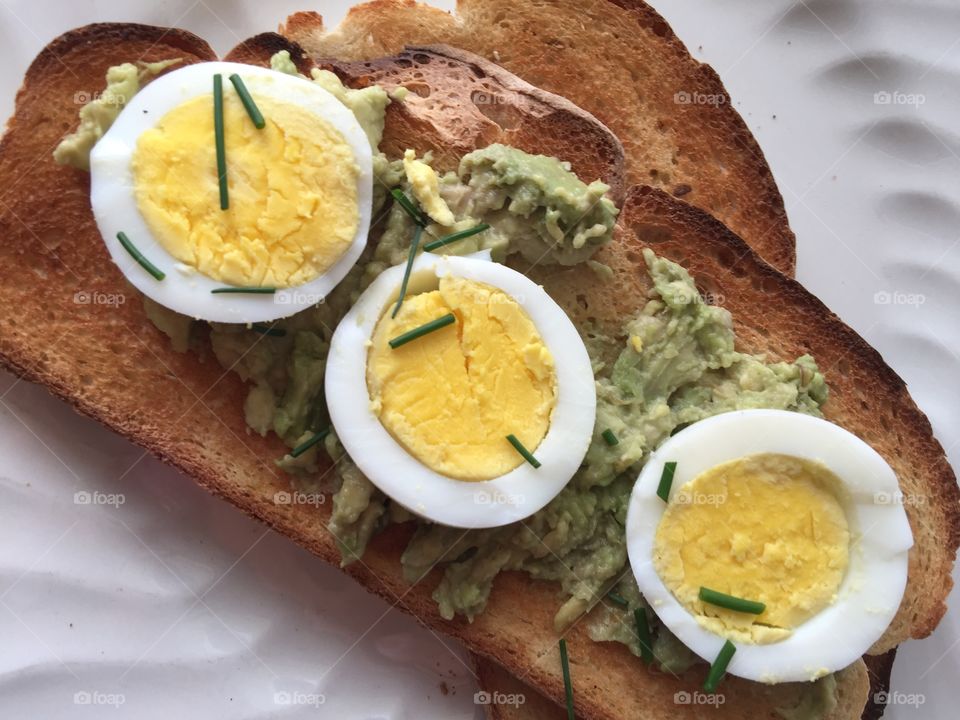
x=292, y=188
x=425, y=184
x=452, y=396
x=766, y=527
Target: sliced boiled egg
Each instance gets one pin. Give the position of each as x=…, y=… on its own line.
x=298, y=200
x=471, y=402
x=790, y=513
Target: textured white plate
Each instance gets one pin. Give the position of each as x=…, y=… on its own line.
x=173, y=604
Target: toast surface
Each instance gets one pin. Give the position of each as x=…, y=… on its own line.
x=620, y=61
x=110, y=363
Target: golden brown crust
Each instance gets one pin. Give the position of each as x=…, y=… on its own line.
x=111, y=364
x=619, y=61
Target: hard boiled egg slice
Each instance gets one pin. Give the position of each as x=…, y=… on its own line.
x=776, y=507
x=299, y=193
x=428, y=420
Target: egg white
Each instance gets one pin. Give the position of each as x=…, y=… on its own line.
x=873, y=586
x=184, y=289
x=492, y=503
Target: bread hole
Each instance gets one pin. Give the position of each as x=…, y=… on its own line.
x=495, y=108
x=652, y=234
x=710, y=291
x=404, y=63
x=420, y=88
x=843, y=367
x=725, y=257
x=478, y=72
x=422, y=59
x=582, y=301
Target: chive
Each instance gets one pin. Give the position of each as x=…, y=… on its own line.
x=411, y=256
x=422, y=330
x=218, y=137
x=252, y=110
x=666, y=480
x=678, y=428
x=250, y=290
x=719, y=667
x=527, y=455
x=406, y=204
x=731, y=602
x=609, y=437
x=268, y=330
x=643, y=634
x=138, y=256
x=447, y=239
x=307, y=444
x=617, y=599
x=567, y=685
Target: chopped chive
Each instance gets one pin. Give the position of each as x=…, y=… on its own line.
x=527, y=455
x=731, y=602
x=411, y=256
x=567, y=685
x=248, y=290
x=666, y=481
x=406, y=204
x=268, y=330
x=422, y=330
x=219, y=139
x=447, y=239
x=138, y=256
x=609, y=438
x=307, y=444
x=617, y=599
x=252, y=110
x=678, y=428
x=643, y=634
x=719, y=667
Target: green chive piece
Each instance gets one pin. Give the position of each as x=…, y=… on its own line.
x=719, y=667
x=248, y=290
x=307, y=444
x=252, y=110
x=407, y=204
x=643, y=634
x=138, y=256
x=617, y=599
x=411, y=256
x=731, y=602
x=666, y=481
x=527, y=455
x=609, y=438
x=567, y=685
x=447, y=239
x=268, y=330
x=219, y=138
x=422, y=330
x=678, y=428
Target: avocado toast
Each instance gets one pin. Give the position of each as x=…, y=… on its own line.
x=657, y=220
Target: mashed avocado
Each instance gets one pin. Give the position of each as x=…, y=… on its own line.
x=96, y=117
x=672, y=363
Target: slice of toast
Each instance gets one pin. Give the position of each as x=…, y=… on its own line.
x=617, y=59
x=112, y=364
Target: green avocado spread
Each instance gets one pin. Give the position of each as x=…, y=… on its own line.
x=672, y=363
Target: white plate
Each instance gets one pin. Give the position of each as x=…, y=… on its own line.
x=103, y=599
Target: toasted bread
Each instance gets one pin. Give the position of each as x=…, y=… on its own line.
x=110, y=363
x=620, y=61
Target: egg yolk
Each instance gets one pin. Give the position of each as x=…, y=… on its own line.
x=452, y=396
x=767, y=527
x=293, y=207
